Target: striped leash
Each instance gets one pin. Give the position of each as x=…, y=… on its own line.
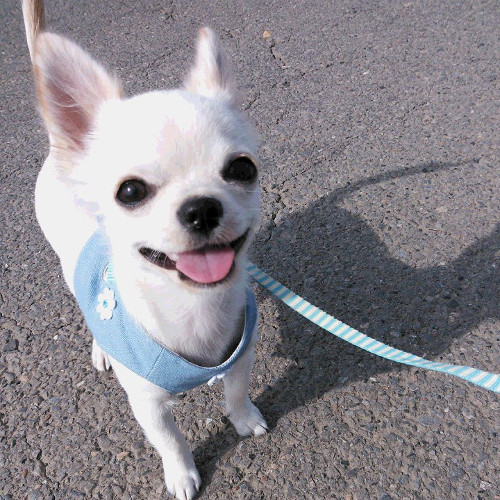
x=489, y=381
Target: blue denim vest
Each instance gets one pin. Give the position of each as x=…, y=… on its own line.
x=119, y=335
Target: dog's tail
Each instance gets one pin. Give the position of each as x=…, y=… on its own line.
x=34, y=22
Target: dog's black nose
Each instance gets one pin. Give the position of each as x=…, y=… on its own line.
x=200, y=215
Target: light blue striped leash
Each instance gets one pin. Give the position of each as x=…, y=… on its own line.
x=489, y=381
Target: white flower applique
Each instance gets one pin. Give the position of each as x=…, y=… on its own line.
x=106, y=304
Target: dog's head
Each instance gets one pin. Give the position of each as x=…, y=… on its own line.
x=171, y=176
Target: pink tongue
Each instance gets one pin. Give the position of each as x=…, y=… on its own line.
x=206, y=266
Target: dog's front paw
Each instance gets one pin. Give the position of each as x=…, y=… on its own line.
x=248, y=420
x=100, y=359
x=183, y=482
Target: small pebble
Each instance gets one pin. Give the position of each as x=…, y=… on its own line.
x=122, y=455
x=11, y=345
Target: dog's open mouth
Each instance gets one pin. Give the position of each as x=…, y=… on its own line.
x=208, y=265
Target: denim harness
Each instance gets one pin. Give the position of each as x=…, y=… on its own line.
x=122, y=338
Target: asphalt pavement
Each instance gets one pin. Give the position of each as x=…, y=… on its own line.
x=379, y=124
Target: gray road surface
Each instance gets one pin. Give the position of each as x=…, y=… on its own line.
x=381, y=196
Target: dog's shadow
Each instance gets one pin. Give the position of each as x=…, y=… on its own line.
x=338, y=263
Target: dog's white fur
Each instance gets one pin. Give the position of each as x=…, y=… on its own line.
x=178, y=142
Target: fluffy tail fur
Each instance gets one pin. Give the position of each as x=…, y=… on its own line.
x=34, y=22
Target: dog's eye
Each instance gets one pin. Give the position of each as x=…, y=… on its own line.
x=132, y=192
x=240, y=169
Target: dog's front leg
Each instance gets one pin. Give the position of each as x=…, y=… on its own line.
x=244, y=415
x=181, y=477
x=150, y=405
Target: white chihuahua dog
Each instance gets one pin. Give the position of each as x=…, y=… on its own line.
x=150, y=202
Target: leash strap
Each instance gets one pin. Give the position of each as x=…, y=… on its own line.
x=489, y=381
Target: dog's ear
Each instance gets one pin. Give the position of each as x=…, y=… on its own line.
x=210, y=75
x=71, y=86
